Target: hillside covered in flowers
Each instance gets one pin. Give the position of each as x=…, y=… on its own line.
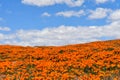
x=90, y=61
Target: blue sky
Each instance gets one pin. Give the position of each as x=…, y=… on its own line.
x=58, y=22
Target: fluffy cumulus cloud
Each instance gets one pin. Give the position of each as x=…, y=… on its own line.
x=99, y=13
x=4, y=28
x=115, y=15
x=41, y=3
x=70, y=13
x=62, y=35
x=46, y=14
x=103, y=1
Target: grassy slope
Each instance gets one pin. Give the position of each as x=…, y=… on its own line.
x=91, y=61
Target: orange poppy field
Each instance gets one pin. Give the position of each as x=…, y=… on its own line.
x=90, y=61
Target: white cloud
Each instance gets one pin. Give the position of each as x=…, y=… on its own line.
x=46, y=14
x=103, y=1
x=7, y=37
x=1, y=36
x=115, y=15
x=70, y=13
x=41, y=3
x=62, y=35
x=99, y=13
x=4, y=29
